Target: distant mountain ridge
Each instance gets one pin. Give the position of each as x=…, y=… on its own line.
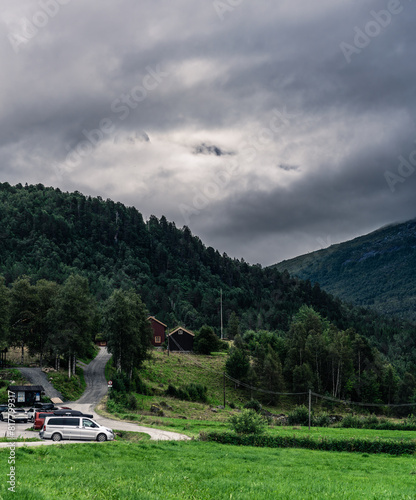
x=377, y=270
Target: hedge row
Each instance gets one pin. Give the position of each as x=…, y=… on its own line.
x=390, y=446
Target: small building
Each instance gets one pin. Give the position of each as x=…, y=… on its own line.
x=158, y=331
x=26, y=395
x=181, y=339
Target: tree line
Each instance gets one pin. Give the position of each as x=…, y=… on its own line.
x=60, y=322
x=315, y=354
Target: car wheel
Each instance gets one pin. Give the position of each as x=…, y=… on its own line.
x=56, y=436
x=101, y=438
x=1, y=416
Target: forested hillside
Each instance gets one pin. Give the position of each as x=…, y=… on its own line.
x=376, y=270
x=48, y=234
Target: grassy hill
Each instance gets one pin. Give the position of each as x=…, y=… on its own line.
x=376, y=270
x=181, y=370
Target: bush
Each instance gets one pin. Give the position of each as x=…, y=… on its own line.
x=190, y=392
x=114, y=407
x=352, y=422
x=248, y=422
x=298, y=416
x=206, y=341
x=253, y=404
x=322, y=420
x=140, y=387
x=131, y=402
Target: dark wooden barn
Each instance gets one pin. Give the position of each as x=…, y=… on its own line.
x=181, y=339
x=159, y=331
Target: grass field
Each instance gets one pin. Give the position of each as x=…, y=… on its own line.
x=135, y=468
x=203, y=471
x=193, y=428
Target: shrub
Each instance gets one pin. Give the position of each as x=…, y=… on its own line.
x=322, y=420
x=190, y=392
x=351, y=421
x=141, y=387
x=298, y=416
x=114, y=407
x=206, y=341
x=253, y=404
x=248, y=422
x=370, y=422
x=131, y=402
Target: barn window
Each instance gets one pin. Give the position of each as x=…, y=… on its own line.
x=158, y=340
x=180, y=332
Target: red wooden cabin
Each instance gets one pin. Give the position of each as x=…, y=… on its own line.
x=159, y=331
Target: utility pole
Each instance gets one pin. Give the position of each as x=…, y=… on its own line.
x=222, y=333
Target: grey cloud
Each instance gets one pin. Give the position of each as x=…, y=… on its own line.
x=351, y=120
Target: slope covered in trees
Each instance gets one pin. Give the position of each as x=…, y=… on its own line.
x=315, y=354
x=376, y=270
x=48, y=234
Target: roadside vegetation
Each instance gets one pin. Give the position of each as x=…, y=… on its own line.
x=70, y=388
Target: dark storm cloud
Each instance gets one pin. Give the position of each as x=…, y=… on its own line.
x=340, y=77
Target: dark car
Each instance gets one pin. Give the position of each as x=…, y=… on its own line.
x=40, y=418
x=45, y=406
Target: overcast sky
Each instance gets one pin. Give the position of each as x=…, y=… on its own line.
x=270, y=128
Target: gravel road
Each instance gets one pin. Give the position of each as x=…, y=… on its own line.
x=95, y=391
x=36, y=377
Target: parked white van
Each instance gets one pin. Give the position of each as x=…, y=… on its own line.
x=57, y=427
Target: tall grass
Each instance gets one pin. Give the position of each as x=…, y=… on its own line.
x=203, y=471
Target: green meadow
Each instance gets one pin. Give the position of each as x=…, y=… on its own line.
x=196, y=470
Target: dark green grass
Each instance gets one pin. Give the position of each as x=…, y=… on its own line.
x=195, y=470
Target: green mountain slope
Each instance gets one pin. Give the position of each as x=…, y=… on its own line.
x=48, y=234
x=377, y=270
